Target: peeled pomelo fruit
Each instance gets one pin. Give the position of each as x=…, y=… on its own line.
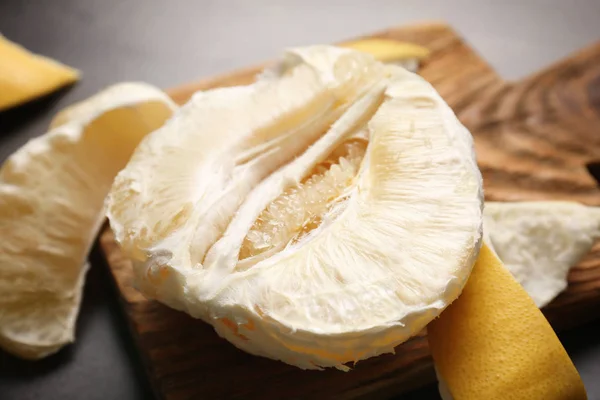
x=320, y=216
x=51, y=207
x=494, y=343
x=540, y=241
x=25, y=76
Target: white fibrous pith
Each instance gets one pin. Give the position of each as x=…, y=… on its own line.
x=322, y=215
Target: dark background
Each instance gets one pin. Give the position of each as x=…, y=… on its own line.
x=170, y=42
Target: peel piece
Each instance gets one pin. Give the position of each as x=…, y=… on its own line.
x=51, y=206
x=540, y=241
x=405, y=54
x=25, y=76
x=494, y=343
x=320, y=216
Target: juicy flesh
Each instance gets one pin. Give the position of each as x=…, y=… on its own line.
x=301, y=208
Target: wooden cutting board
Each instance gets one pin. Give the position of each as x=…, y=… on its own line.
x=535, y=140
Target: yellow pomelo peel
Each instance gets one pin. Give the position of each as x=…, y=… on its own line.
x=25, y=76
x=52, y=194
x=494, y=343
x=386, y=50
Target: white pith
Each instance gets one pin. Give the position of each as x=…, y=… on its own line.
x=383, y=261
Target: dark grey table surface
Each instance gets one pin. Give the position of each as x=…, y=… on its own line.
x=168, y=43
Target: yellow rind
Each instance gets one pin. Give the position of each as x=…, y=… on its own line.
x=494, y=343
x=25, y=76
x=386, y=50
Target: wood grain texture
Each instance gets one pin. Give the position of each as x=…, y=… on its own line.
x=533, y=138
